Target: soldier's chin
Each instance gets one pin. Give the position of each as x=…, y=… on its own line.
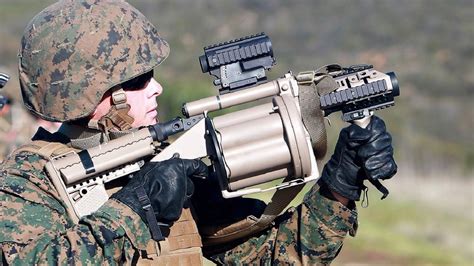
x=151, y=122
x=155, y=119
x=145, y=122
x=151, y=118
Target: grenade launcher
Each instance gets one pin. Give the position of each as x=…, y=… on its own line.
x=281, y=138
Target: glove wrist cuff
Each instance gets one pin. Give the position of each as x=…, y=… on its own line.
x=348, y=191
x=351, y=194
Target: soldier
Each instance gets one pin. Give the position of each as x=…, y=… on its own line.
x=89, y=64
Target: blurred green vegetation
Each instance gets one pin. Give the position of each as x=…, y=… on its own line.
x=404, y=232
x=414, y=233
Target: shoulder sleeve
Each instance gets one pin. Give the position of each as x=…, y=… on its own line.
x=35, y=229
x=309, y=234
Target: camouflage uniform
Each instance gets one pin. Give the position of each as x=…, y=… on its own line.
x=310, y=234
x=35, y=228
x=64, y=72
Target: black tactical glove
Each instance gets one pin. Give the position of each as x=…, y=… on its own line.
x=212, y=209
x=359, y=154
x=162, y=187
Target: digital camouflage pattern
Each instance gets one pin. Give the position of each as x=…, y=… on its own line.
x=36, y=229
x=74, y=51
x=310, y=234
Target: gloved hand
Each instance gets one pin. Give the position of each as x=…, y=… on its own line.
x=360, y=154
x=213, y=210
x=167, y=186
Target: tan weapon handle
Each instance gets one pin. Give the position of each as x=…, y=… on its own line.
x=363, y=122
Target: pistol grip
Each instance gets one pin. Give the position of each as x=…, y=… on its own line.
x=363, y=122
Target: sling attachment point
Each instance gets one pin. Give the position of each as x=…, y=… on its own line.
x=365, y=197
x=150, y=214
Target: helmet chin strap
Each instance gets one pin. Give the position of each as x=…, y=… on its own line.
x=117, y=121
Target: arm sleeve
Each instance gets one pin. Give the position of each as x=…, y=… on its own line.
x=310, y=234
x=35, y=228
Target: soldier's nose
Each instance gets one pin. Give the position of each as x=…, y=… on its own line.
x=154, y=88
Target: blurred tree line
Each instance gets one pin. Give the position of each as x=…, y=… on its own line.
x=428, y=43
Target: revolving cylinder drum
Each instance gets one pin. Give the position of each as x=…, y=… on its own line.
x=260, y=144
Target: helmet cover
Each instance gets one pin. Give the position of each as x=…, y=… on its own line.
x=74, y=51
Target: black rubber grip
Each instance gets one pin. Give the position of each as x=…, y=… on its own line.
x=351, y=94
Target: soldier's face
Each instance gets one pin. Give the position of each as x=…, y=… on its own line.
x=142, y=101
x=143, y=106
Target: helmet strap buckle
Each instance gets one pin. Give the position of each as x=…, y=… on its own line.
x=117, y=119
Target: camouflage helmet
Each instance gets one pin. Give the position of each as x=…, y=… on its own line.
x=74, y=51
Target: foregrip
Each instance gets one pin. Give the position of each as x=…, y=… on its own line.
x=340, y=98
x=360, y=93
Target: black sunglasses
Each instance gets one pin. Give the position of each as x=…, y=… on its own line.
x=137, y=83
